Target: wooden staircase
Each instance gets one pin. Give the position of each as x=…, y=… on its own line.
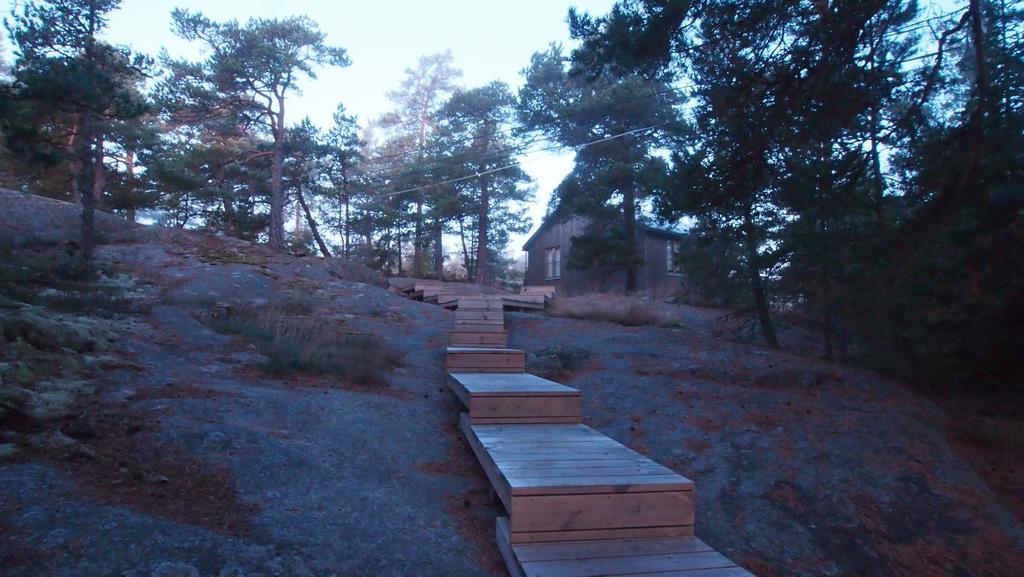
x=578, y=503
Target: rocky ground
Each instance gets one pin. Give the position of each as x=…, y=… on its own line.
x=145, y=443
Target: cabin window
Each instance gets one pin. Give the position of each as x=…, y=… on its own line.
x=554, y=263
x=671, y=264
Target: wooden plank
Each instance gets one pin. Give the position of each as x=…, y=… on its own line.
x=600, y=549
x=479, y=316
x=474, y=327
x=588, y=470
x=492, y=362
x=591, y=485
x=599, y=534
x=502, y=534
x=520, y=406
x=472, y=339
x=502, y=385
x=525, y=300
x=498, y=483
x=733, y=571
x=486, y=304
x=483, y=352
x=496, y=430
x=572, y=464
x=637, y=564
x=601, y=511
x=523, y=420
x=592, y=454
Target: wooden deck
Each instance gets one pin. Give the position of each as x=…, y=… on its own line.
x=515, y=398
x=578, y=503
x=569, y=483
x=664, y=557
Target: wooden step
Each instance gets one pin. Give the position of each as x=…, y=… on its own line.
x=515, y=398
x=497, y=340
x=480, y=303
x=483, y=360
x=666, y=557
x=571, y=483
x=476, y=327
x=480, y=316
x=548, y=290
x=525, y=301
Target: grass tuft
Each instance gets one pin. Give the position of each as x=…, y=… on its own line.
x=627, y=311
x=310, y=344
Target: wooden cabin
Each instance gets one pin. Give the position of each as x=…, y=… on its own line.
x=548, y=256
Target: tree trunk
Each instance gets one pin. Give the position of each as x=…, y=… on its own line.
x=312, y=224
x=877, y=180
x=629, y=224
x=465, y=250
x=129, y=160
x=229, y=215
x=399, y=251
x=439, y=249
x=99, y=178
x=276, y=184
x=84, y=191
x=84, y=188
x=629, y=228
x=482, y=230
x=757, y=283
x=348, y=229
x=417, y=241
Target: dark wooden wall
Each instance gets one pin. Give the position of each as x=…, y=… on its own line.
x=654, y=277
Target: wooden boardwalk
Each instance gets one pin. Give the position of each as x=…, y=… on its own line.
x=577, y=503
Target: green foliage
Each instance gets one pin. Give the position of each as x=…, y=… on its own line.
x=622, y=120
x=829, y=177
x=476, y=139
x=242, y=86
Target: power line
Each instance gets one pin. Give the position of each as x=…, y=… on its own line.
x=906, y=28
x=518, y=148
x=513, y=164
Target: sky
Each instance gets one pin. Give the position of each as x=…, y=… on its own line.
x=489, y=40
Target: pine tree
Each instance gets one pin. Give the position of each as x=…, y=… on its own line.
x=476, y=133
x=249, y=72
x=622, y=120
x=68, y=87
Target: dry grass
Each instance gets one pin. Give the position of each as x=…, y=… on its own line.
x=623, y=310
x=296, y=342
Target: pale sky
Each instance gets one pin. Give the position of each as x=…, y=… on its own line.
x=489, y=40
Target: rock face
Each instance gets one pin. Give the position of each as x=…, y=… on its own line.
x=355, y=272
x=802, y=468
x=37, y=220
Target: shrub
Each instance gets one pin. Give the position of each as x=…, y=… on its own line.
x=310, y=344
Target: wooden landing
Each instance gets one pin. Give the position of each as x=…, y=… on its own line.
x=571, y=483
x=483, y=360
x=515, y=398
x=669, y=557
